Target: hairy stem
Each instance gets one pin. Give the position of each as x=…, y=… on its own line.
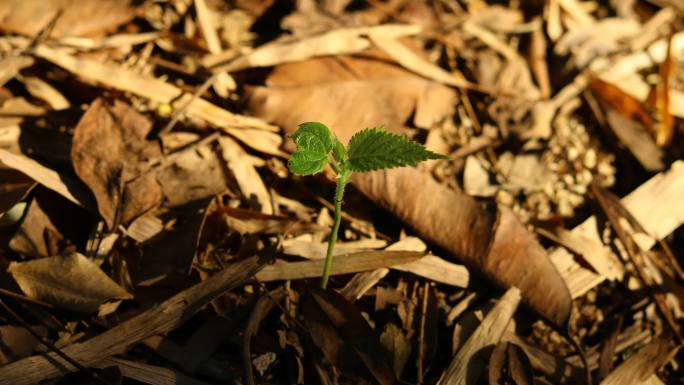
x=342, y=180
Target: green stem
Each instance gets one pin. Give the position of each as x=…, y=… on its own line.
x=342, y=181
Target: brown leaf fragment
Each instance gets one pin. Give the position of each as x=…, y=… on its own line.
x=111, y=154
x=340, y=331
x=69, y=281
x=82, y=18
x=644, y=363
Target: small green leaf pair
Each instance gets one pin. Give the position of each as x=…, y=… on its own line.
x=368, y=150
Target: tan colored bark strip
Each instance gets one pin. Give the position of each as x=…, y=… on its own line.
x=343, y=264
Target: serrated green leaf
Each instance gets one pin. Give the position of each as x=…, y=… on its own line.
x=375, y=149
x=314, y=141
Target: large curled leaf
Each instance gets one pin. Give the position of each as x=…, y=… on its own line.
x=375, y=149
x=314, y=141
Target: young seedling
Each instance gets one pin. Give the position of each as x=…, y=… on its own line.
x=368, y=150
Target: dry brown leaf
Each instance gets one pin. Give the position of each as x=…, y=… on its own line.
x=349, y=94
x=145, y=228
x=82, y=18
x=318, y=250
x=620, y=101
x=111, y=154
x=68, y=281
x=340, y=331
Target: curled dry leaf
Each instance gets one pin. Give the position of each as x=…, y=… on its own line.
x=111, y=155
x=340, y=331
x=68, y=281
x=495, y=244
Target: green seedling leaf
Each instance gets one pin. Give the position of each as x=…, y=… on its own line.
x=375, y=149
x=314, y=141
x=340, y=152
